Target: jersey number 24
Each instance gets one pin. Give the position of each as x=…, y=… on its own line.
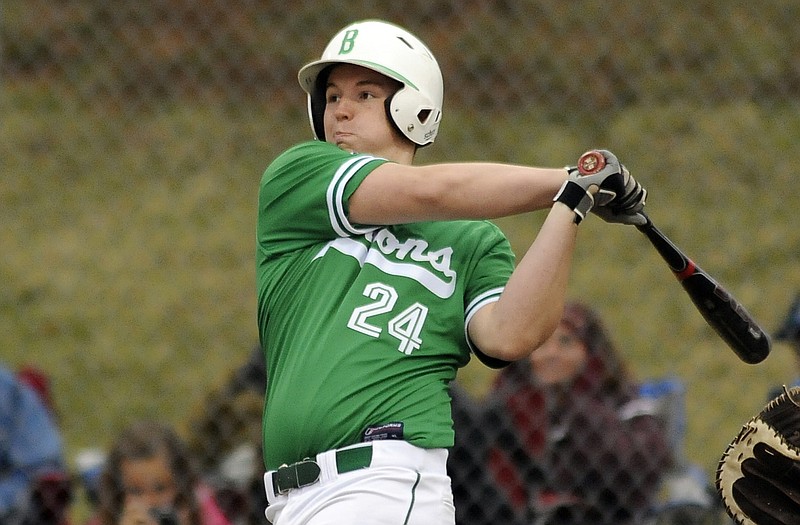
x=406, y=326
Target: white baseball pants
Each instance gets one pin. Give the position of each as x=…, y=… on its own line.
x=403, y=485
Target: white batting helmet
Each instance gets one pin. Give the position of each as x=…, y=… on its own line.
x=416, y=108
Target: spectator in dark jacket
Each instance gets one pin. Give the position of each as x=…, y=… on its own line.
x=477, y=497
x=574, y=443
x=224, y=434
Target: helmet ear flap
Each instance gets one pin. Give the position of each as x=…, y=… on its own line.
x=316, y=103
x=414, y=115
x=387, y=105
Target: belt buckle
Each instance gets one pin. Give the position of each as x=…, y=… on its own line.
x=295, y=476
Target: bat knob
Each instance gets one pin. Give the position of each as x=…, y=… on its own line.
x=591, y=162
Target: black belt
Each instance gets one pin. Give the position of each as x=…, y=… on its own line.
x=307, y=472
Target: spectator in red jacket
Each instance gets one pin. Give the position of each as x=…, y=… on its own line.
x=574, y=443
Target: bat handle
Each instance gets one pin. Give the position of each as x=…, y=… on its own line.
x=591, y=162
x=677, y=262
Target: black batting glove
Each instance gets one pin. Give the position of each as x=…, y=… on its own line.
x=624, y=197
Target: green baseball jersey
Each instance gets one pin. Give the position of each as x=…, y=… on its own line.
x=363, y=326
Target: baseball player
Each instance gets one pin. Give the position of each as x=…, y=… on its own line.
x=377, y=279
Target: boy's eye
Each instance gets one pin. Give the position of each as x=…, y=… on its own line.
x=331, y=97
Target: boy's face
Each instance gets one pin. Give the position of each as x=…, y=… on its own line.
x=355, y=115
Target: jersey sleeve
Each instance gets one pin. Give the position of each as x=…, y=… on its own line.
x=487, y=281
x=303, y=197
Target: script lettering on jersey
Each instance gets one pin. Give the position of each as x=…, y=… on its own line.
x=410, y=258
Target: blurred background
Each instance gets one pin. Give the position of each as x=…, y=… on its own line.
x=133, y=136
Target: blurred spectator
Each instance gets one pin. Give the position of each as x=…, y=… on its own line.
x=34, y=484
x=478, y=498
x=225, y=436
x=149, y=479
x=789, y=332
x=39, y=382
x=574, y=443
x=687, y=496
x=89, y=464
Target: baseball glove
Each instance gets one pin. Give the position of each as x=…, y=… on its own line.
x=758, y=477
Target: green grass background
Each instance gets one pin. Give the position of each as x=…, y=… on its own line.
x=129, y=276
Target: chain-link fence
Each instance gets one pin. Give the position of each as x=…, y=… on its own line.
x=133, y=136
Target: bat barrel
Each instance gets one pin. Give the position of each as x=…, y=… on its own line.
x=720, y=310
x=728, y=318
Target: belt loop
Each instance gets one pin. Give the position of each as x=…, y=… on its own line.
x=270, y=487
x=350, y=459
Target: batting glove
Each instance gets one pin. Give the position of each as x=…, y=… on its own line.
x=626, y=208
x=581, y=193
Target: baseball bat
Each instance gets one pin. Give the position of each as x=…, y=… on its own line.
x=724, y=313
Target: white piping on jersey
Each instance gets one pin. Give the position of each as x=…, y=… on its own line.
x=384, y=244
x=489, y=296
x=335, y=196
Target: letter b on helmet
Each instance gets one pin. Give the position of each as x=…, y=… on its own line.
x=348, y=41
